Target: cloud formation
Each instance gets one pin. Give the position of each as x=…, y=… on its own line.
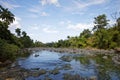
x=16, y=23
x=48, y=30
x=80, y=5
x=44, y=14
x=79, y=26
x=50, y=2
x=9, y=5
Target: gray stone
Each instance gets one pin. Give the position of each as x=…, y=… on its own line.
x=93, y=78
x=66, y=58
x=105, y=57
x=55, y=71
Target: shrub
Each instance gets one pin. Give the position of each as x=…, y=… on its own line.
x=7, y=51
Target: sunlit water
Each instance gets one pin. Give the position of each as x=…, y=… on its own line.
x=83, y=66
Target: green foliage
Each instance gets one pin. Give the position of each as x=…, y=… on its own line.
x=102, y=36
x=18, y=31
x=6, y=16
x=38, y=44
x=86, y=33
x=100, y=22
x=26, y=41
x=7, y=51
x=9, y=43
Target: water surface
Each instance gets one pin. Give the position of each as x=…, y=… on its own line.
x=102, y=69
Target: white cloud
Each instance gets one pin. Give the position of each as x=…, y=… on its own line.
x=33, y=16
x=66, y=22
x=44, y=14
x=34, y=27
x=37, y=11
x=61, y=22
x=48, y=30
x=89, y=3
x=34, y=10
x=16, y=23
x=79, y=26
x=80, y=5
x=50, y=2
x=8, y=5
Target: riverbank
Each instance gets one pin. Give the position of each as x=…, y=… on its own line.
x=76, y=50
x=88, y=52
x=115, y=54
x=15, y=72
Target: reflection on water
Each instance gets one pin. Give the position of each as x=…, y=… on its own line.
x=105, y=68
x=97, y=66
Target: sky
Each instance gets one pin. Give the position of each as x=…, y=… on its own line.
x=52, y=20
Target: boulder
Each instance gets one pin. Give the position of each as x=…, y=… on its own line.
x=93, y=78
x=105, y=57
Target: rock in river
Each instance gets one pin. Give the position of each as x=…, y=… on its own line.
x=66, y=58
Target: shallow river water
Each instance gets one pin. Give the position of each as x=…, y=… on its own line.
x=87, y=67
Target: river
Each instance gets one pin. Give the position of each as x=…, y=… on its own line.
x=58, y=65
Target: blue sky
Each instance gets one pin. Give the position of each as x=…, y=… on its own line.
x=51, y=20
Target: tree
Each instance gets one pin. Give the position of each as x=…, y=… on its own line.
x=100, y=22
x=118, y=23
x=6, y=16
x=99, y=26
x=86, y=33
x=24, y=33
x=18, y=31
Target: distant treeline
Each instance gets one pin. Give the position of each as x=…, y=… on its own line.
x=102, y=36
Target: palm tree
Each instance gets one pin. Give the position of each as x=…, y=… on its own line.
x=18, y=31
x=6, y=15
x=24, y=34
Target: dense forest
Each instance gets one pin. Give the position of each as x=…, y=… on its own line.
x=102, y=36
x=10, y=43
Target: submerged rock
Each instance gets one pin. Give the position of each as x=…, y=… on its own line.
x=37, y=73
x=47, y=78
x=42, y=71
x=66, y=58
x=55, y=71
x=35, y=68
x=93, y=78
x=36, y=55
x=66, y=67
x=68, y=76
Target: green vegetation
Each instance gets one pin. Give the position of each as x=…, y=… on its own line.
x=9, y=43
x=102, y=36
